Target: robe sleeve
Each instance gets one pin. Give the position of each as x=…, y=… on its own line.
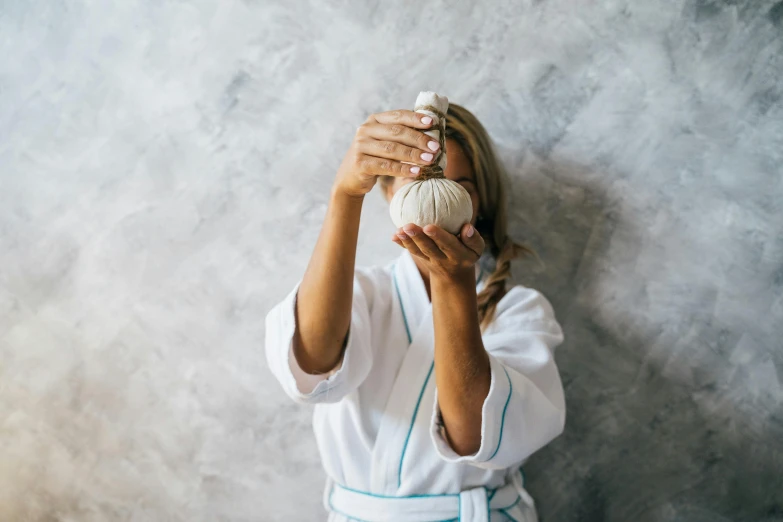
x=350, y=371
x=525, y=407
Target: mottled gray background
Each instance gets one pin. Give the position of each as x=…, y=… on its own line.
x=164, y=169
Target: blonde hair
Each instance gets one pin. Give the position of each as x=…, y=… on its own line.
x=492, y=222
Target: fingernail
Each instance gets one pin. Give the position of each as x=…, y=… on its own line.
x=429, y=232
x=426, y=120
x=433, y=145
x=402, y=236
x=426, y=156
x=415, y=170
x=410, y=231
x=469, y=233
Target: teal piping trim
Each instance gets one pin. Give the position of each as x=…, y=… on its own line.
x=459, y=509
x=403, y=497
x=413, y=420
x=511, y=505
x=404, y=318
x=505, y=512
x=489, y=514
x=503, y=420
x=395, y=497
x=313, y=395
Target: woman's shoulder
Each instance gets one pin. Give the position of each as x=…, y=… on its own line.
x=373, y=277
x=374, y=272
x=526, y=311
x=526, y=304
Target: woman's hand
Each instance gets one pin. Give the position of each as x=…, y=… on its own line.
x=380, y=146
x=446, y=254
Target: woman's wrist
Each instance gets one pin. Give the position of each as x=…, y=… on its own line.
x=341, y=192
x=465, y=277
x=344, y=204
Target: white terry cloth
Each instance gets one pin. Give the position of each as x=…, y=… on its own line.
x=376, y=418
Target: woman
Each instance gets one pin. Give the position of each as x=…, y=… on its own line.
x=432, y=382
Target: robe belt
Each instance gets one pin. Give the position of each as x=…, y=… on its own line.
x=473, y=505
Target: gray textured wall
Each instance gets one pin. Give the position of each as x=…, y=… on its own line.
x=164, y=168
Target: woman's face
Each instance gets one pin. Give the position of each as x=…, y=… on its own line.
x=458, y=169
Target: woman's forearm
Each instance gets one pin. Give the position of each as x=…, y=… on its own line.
x=323, y=303
x=462, y=370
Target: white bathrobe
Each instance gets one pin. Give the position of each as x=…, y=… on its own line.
x=377, y=422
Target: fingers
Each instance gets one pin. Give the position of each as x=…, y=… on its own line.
x=396, y=151
x=432, y=243
x=390, y=158
x=389, y=144
x=424, y=244
x=372, y=166
x=405, y=241
x=472, y=239
x=446, y=243
x=403, y=117
x=402, y=133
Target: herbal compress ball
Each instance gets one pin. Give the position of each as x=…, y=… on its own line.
x=431, y=199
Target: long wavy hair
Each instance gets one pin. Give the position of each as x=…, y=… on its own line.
x=492, y=221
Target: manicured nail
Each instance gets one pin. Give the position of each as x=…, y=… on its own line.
x=433, y=145
x=429, y=231
x=402, y=236
x=469, y=233
x=426, y=156
x=426, y=120
x=415, y=170
x=410, y=231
